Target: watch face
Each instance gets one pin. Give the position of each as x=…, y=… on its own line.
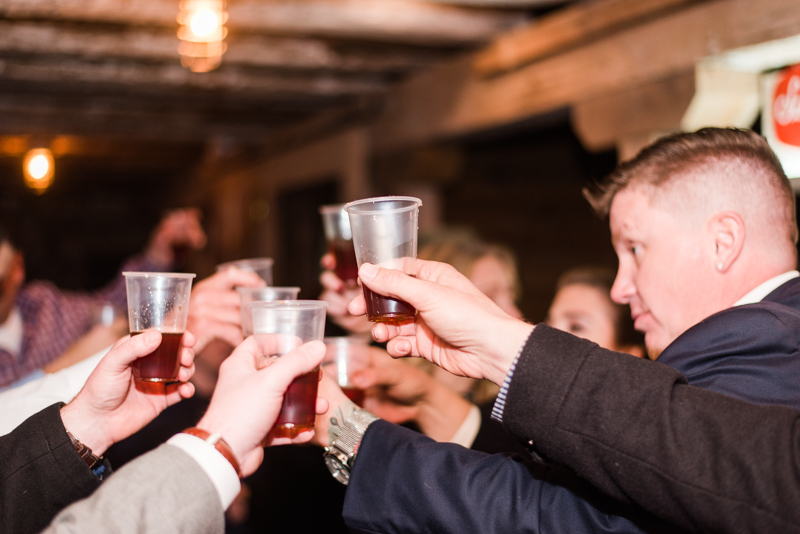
x=339, y=470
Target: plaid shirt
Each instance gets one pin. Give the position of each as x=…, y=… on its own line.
x=53, y=320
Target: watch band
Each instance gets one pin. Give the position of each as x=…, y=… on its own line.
x=84, y=452
x=216, y=440
x=341, y=453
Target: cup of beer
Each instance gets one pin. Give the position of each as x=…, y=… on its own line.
x=385, y=234
x=340, y=242
x=344, y=356
x=261, y=266
x=261, y=294
x=159, y=301
x=280, y=327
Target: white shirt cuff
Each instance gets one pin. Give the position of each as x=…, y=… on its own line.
x=218, y=469
x=468, y=431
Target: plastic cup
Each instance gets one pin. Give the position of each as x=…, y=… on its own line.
x=280, y=327
x=343, y=357
x=340, y=242
x=261, y=294
x=261, y=266
x=385, y=234
x=159, y=301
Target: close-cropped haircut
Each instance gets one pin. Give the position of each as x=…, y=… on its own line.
x=676, y=156
x=602, y=279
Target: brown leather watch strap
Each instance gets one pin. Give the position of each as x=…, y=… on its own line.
x=84, y=452
x=218, y=443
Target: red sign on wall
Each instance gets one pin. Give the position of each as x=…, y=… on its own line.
x=786, y=106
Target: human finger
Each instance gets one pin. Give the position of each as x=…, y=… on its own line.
x=230, y=278
x=329, y=280
x=132, y=348
x=328, y=261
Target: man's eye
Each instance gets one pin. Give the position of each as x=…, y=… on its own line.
x=636, y=250
x=575, y=328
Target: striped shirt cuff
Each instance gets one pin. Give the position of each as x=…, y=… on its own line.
x=500, y=402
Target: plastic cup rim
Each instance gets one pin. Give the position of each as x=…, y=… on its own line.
x=143, y=274
x=275, y=288
x=290, y=304
x=374, y=200
x=331, y=208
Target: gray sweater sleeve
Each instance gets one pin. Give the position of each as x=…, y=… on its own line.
x=164, y=490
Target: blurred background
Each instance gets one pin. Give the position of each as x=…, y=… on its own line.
x=495, y=113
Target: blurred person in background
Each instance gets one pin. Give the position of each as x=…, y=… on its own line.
x=582, y=306
x=39, y=322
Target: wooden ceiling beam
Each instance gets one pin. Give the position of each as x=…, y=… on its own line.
x=569, y=27
x=226, y=78
x=161, y=44
x=452, y=99
x=409, y=21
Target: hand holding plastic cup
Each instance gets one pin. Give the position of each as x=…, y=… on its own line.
x=343, y=357
x=261, y=294
x=159, y=301
x=279, y=327
x=340, y=242
x=261, y=266
x=385, y=234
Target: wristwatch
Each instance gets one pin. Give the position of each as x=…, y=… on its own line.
x=339, y=456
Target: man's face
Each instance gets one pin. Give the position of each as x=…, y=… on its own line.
x=662, y=268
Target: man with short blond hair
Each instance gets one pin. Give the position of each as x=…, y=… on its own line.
x=703, y=224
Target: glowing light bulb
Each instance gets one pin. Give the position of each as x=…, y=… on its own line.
x=38, y=166
x=204, y=22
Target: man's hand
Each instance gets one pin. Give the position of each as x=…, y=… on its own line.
x=249, y=395
x=328, y=426
x=457, y=327
x=215, y=307
x=399, y=392
x=112, y=406
x=338, y=296
x=178, y=228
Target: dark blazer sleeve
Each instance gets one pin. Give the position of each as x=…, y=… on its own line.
x=636, y=430
x=403, y=481
x=40, y=472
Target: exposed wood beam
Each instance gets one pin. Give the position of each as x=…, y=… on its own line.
x=408, y=21
x=161, y=44
x=451, y=99
x=566, y=28
x=226, y=78
x=601, y=123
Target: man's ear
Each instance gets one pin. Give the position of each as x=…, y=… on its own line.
x=727, y=227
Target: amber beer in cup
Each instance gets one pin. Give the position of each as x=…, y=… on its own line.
x=280, y=327
x=340, y=242
x=159, y=301
x=344, y=356
x=385, y=234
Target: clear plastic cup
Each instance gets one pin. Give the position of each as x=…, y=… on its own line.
x=261, y=294
x=385, y=234
x=159, y=301
x=278, y=328
x=340, y=242
x=261, y=266
x=343, y=357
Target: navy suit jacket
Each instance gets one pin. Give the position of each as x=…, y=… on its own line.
x=405, y=482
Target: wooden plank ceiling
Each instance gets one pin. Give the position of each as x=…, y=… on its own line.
x=110, y=68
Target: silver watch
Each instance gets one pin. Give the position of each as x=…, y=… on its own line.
x=339, y=455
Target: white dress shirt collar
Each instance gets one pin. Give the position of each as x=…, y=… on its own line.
x=11, y=333
x=758, y=294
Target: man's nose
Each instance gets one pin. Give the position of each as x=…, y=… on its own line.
x=623, y=288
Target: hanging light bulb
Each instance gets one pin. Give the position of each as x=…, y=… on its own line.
x=38, y=168
x=201, y=33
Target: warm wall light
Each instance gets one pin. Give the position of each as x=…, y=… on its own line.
x=201, y=33
x=38, y=168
